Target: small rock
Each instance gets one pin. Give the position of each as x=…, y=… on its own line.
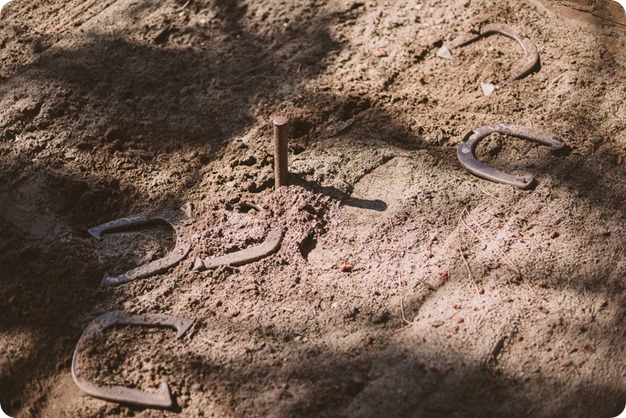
x=445, y=53
x=115, y=133
x=273, y=362
x=187, y=209
x=346, y=268
x=197, y=264
x=487, y=88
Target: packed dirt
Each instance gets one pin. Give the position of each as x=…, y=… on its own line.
x=404, y=286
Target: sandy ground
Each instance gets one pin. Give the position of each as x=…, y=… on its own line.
x=404, y=286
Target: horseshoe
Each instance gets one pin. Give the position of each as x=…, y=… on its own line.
x=467, y=147
x=122, y=394
x=531, y=55
x=179, y=252
x=269, y=246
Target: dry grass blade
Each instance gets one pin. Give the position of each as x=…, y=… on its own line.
x=469, y=270
x=506, y=258
x=74, y=16
x=402, y=302
x=402, y=311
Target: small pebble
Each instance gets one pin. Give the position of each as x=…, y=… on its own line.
x=346, y=268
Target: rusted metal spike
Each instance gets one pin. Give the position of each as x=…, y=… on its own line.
x=281, y=163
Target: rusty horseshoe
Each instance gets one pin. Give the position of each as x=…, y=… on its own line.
x=467, y=147
x=531, y=55
x=121, y=394
x=179, y=252
x=270, y=245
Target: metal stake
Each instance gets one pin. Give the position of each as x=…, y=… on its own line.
x=281, y=164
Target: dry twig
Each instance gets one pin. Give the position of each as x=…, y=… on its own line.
x=402, y=310
x=184, y=6
x=83, y=9
x=74, y=16
x=506, y=258
x=402, y=300
x=469, y=271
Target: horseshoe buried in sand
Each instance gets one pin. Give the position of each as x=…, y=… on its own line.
x=122, y=394
x=269, y=246
x=467, y=147
x=179, y=252
x=531, y=56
